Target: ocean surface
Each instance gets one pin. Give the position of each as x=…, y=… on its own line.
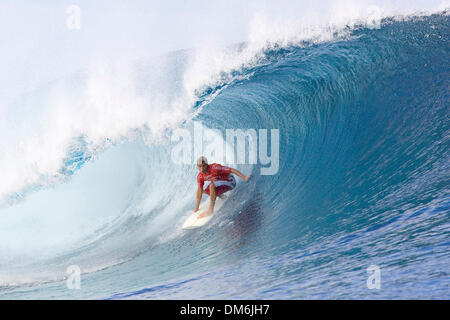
x=363, y=178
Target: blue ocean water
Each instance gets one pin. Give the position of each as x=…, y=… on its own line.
x=363, y=180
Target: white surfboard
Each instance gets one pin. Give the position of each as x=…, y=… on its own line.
x=193, y=221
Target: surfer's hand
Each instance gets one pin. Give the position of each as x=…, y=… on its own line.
x=195, y=210
x=248, y=177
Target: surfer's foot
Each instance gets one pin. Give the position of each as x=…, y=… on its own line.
x=205, y=214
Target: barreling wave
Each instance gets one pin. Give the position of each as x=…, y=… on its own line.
x=363, y=177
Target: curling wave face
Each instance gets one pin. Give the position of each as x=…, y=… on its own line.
x=362, y=179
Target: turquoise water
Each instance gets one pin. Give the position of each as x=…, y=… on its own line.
x=363, y=180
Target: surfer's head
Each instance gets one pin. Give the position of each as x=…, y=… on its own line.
x=202, y=164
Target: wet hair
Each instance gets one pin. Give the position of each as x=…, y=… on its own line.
x=202, y=160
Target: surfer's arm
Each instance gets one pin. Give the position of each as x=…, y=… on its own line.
x=199, y=198
x=240, y=175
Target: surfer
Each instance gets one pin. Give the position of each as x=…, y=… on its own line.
x=219, y=179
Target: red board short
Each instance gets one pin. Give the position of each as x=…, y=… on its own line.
x=222, y=186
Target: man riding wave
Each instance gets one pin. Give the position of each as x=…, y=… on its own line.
x=214, y=180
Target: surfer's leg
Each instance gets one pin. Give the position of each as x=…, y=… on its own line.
x=212, y=196
x=211, y=191
x=223, y=188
